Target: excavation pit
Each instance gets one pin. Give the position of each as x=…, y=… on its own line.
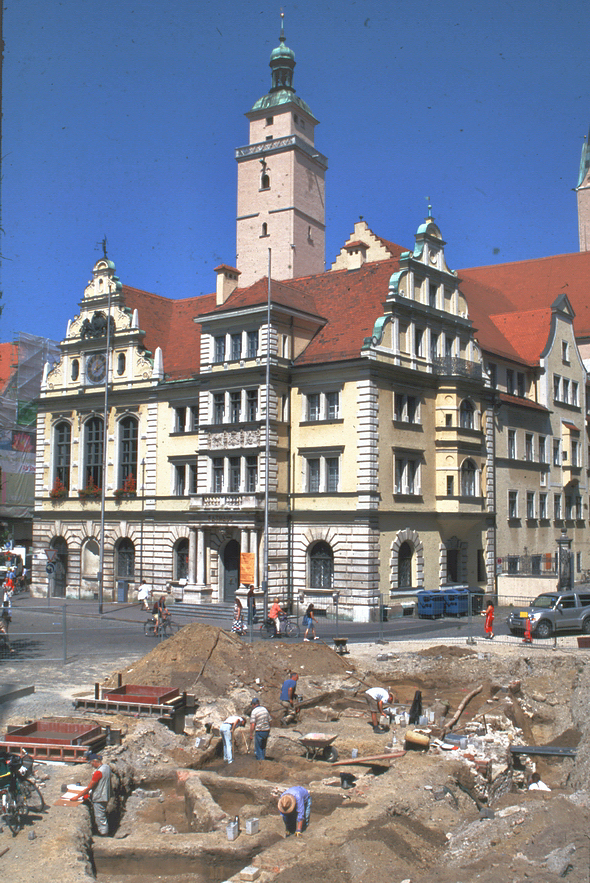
x=149, y=867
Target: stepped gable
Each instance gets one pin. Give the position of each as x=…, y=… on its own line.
x=169, y=324
x=536, y=283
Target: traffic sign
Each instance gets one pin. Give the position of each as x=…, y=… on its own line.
x=51, y=555
x=49, y=568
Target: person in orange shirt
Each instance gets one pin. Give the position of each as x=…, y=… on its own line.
x=275, y=613
x=489, y=621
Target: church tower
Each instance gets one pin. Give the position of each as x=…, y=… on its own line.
x=280, y=183
x=583, y=191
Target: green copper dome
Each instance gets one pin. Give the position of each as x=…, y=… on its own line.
x=282, y=65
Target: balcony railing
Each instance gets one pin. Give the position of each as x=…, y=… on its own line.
x=453, y=366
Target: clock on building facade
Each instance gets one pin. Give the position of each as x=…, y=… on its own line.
x=96, y=368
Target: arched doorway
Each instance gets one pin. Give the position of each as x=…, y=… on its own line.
x=60, y=573
x=405, y=566
x=231, y=570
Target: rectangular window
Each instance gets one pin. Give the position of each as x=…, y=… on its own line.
x=179, y=479
x=529, y=452
x=407, y=472
x=511, y=444
x=449, y=347
x=556, y=387
x=332, y=474
x=218, y=407
x=405, y=408
x=398, y=407
x=179, y=419
x=192, y=478
x=575, y=388
x=220, y=349
x=565, y=390
x=235, y=402
x=332, y=405
x=418, y=341
x=63, y=435
x=450, y=486
x=313, y=406
x=579, y=513
x=251, y=474
x=252, y=344
x=313, y=475
x=236, y=346
x=543, y=507
x=194, y=418
x=218, y=475
x=542, y=449
x=530, y=505
x=432, y=295
x=493, y=369
x=252, y=405
x=557, y=507
x=510, y=381
x=434, y=343
x=512, y=505
x=564, y=352
x=575, y=453
x=569, y=508
x=520, y=384
x=235, y=475
x=556, y=452
x=411, y=408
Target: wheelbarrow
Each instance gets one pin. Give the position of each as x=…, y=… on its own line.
x=318, y=746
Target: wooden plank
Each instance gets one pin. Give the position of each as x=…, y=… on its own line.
x=544, y=750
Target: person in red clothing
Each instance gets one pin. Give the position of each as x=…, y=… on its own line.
x=489, y=621
x=275, y=613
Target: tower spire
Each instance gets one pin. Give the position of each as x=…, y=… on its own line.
x=282, y=64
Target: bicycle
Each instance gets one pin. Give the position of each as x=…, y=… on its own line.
x=289, y=629
x=163, y=629
x=19, y=796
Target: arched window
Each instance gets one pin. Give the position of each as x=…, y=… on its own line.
x=265, y=181
x=264, y=229
x=93, y=445
x=121, y=361
x=62, y=441
x=75, y=369
x=60, y=574
x=466, y=415
x=128, y=454
x=181, y=559
x=125, y=564
x=405, y=566
x=468, y=484
x=321, y=566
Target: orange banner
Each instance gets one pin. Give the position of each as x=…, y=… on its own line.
x=247, y=561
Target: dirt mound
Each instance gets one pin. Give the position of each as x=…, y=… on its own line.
x=207, y=660
x=447, y=652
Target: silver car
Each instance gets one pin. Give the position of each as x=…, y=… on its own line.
x=553, y=612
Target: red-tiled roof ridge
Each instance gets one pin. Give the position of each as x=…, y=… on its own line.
x=526, y=330
x=285, y=292
x=521, y=402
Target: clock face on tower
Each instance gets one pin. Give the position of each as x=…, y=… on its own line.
x=96, y=368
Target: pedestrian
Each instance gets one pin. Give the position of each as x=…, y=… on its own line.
x=227, y=729
x=295, y=808
x=99, y=791
x=289, y=699
x=376, y=697
x=489, y=620
x=251, y=604
x=259, y=728
x=536, y=783
x=238, y=623
x=143, y=594
x=275, y=613
x=6, y=610
x=309, y=623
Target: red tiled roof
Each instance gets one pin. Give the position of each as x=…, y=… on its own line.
x=8, y=361
x=537, y=283
x=169, y=324
x=521, y=402
x=287, y=294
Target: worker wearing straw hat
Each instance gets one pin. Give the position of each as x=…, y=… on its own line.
x=295, y=808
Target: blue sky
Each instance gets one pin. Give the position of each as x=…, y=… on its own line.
x=121, y=118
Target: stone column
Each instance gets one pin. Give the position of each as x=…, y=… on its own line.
x=254, y=548
x=201, y=557
x=192, y=555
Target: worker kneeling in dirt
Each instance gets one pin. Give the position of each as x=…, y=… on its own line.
x=376, y=698
x=289, y=700
x=295, y=808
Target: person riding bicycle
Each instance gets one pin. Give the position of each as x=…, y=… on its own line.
x=277, y=615
x=160, y=613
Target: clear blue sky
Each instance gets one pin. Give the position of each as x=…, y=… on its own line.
x=121, y=118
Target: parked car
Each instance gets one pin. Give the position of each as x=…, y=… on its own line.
x=553, y=612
